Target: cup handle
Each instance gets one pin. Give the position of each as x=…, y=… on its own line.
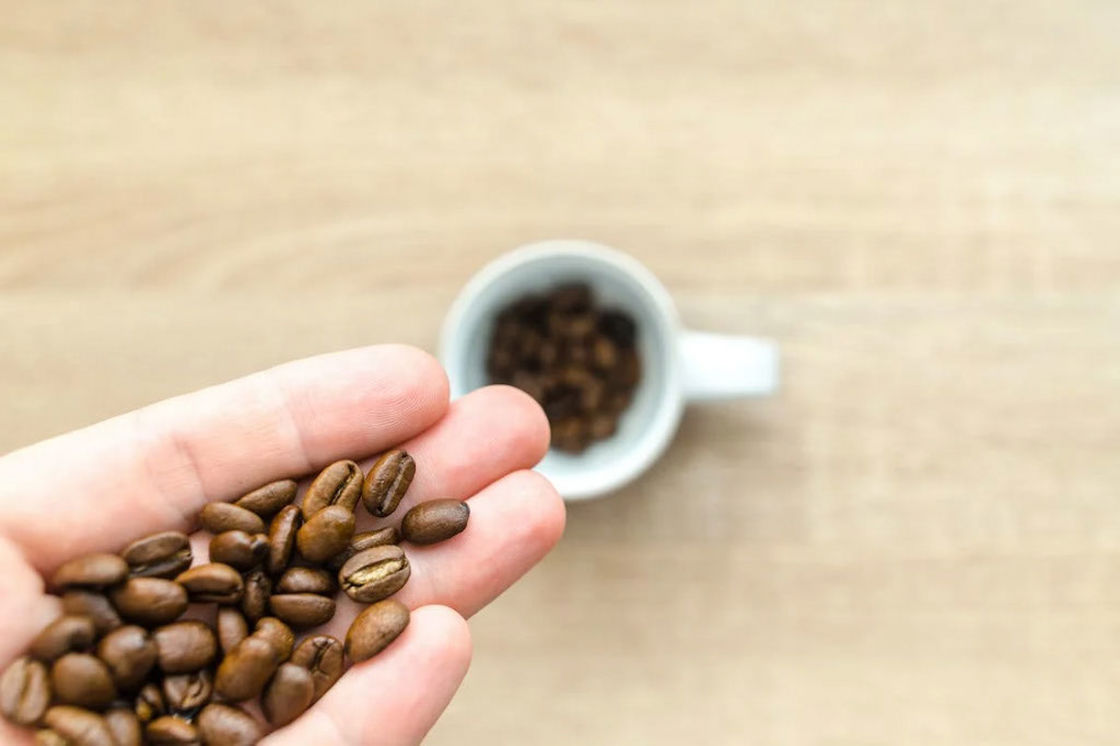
x=723, y=366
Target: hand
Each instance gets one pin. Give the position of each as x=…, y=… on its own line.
x=99, y=488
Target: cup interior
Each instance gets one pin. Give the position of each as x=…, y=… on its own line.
x=617, y=281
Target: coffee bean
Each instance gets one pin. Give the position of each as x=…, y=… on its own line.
x=278, y=635
x=326, y=534
x=376, y=627
x=162, y=555
x=288, y=694
x=186, y=693
x=66, y=634
x=338, y=484
x=302, y=610
x=212, y=582
x=238, y=549
x=267, y=501
x=322, y=656
x=364, y=540
x=130, y=653
x=83, y=680
x=258, y=588
x=81, y=602
x=91, y=570
x=374, y=574
x=219, y=517
x=185, y=646
x=79, y=726
x=387, y=481
x=149, y=703
x=232, y=627
x=48, y=737
x=25, y=691
x=125, y=726
x=224, y=725
x=150, y=601
x=171, y=731
x=282, y=539
x=603, y=425
x=435, y=520
x=306, y=580
x=243, y=673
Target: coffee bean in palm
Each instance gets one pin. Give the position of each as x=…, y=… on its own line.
x=79, y=726
x=149, y=703
x=149, y=601
x=434, y=521
x=25, y=691
x=125, y=726
x=171, y=731
x=185, y=646
x=162, y=555
x=48, y=737
x=361, y=541
x=282, y=539
x=288, y=694
x=82, y=680
x=219, y=517
x=254, y=601
x=185, y=693
x=130, y=653
x=374, y=628
x=66, y=634
x=338, y=484
x=302, y=610
x=93, y=604
x=245, y=670
x=238, y=549
x=321, y=655
x=326, y=534
x=267, y=501
x=232, y=627
x=277, y=634
x=374, y=574
x=306, y=580
x=212, y=582
x=226, y=725
x=91, y=571
x=387, y=481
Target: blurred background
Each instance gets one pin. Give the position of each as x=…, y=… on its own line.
x=917, y=541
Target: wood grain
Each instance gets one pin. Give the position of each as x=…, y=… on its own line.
x=915, y=542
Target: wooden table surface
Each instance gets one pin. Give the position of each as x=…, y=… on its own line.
x=916, y=542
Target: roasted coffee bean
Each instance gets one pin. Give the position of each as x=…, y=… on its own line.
x=79, y=726
x=254, y=602
x=282, y=539
x=364, y=540
x=232, y=627
x=376, y=627
x=96, y=606
x=278, y=635
x=338, y=484
x=374, y=574
x=387, y=481
x=48, y=737
x=150, y=601
x=149, y=703
x=603, y=425
x=435, y=520
x=171, y=731
x=302, y=610
x=238, y=549
x=66, y=634
x=225, y=725
x=162, y=555
x=125, y=726
x=92, y=571
x=83, y=680
x=322, y=656
x=243, y=673
x=267, y=501
x=326, y=534
x=185, y=693
x=130, y=653
x=212, y=582
x=185, y=646
x=219, y=517
x=25, y=691
x=306, y=580
x=288, y=694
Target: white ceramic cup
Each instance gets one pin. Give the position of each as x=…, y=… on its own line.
x=678, y=365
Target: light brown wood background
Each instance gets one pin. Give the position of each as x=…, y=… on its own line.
x=917, y=542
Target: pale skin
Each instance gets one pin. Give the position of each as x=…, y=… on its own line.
x=98, y=488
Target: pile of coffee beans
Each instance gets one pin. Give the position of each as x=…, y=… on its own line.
x=579, y=362
x=122, y=667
